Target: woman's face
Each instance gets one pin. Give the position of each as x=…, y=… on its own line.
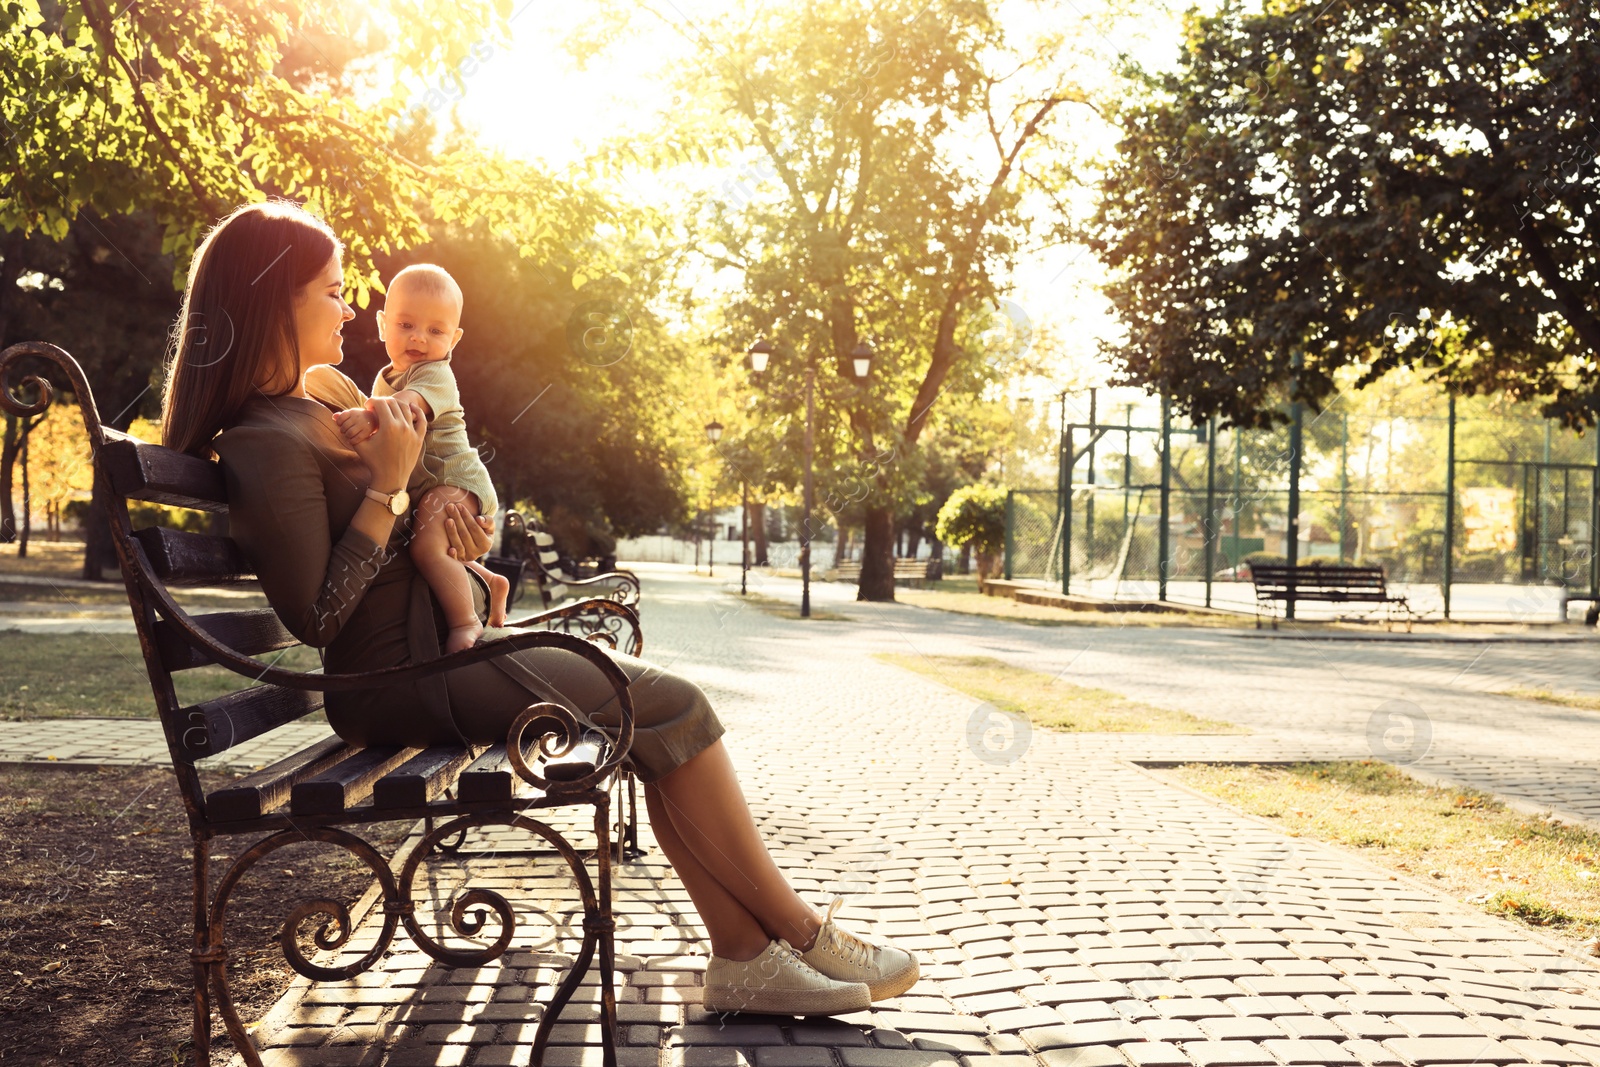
x=319, y=315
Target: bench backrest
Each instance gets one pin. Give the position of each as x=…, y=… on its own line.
x=158, y=557
x=1279, y=577
x=152, y=559
x=527, y=539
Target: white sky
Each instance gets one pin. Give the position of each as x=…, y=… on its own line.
x=531, y=102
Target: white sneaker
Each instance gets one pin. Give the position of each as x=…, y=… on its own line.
x=779, y=981
x=886, y=971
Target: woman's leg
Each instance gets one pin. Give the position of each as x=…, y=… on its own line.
x=699, y=812
x=735, y=933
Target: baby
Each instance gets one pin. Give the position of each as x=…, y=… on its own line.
x=419, y=326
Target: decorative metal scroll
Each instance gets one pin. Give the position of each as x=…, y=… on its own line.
x=470, y=913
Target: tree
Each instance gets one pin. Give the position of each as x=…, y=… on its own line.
x=976, y=515
x=1367, y=185
x=867, y=217
x=171, y=114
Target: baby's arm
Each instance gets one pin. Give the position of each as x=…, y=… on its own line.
x=358, y=424
x=411, y=396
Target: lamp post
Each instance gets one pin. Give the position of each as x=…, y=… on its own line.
x=713, y=434
x=860, y=364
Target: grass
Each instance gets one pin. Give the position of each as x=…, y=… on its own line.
x=95, y=675
x=1051, y=703
x=1582, y=701
x=45, y=559
x=1540, y=872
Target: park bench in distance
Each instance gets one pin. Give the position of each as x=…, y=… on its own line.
x=321, y=792
x=529, y=551
x=1276, y=582
x=907, y=571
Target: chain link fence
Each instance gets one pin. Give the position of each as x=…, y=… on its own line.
x=1376, y=490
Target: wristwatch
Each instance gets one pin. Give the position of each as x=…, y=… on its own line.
x=396, y=502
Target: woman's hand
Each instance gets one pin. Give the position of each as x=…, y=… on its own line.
x=468, y=539
x=392, y=451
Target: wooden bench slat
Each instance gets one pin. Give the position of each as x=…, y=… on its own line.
x=233, y=718
x=181, y=558
x=251, y=632
x=489, y=777
x=140, y=470
x=268, y=789
x=348, y=782
x=423, y=778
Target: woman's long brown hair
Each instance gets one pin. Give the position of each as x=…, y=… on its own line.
x=235, y=335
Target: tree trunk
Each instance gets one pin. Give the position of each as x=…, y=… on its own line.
x=758, y=533
x=877, y=555
x=8, y=457
x=27, y=505
x=965, y=563
x=98, y=552
x=841, y=540
x=914, y=539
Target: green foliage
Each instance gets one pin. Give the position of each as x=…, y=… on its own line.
x=974, y=514
x=188, y=110
x=1361, y=186
x=853, y=212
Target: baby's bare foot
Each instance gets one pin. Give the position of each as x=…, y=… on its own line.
x=499, y=591
x=463, y=637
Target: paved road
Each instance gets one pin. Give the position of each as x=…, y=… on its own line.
x=1070, y=909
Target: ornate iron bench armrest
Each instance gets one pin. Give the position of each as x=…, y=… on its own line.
x=607, y=620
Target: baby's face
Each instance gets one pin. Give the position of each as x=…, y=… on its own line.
x=417, y=326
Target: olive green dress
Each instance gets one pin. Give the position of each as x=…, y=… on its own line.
x=293, y=486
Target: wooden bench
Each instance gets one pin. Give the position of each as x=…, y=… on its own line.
x=529, y=552
x=1278, y=583
x=548, y=760
x=909, y=571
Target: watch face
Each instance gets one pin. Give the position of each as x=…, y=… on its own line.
x=399, y=502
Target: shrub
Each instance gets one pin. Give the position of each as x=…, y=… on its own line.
x=975, y=515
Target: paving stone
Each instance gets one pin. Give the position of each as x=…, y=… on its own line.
x=1079, y=1035
x=1426, y=1050
x=1292, y=985
x=1545, y=1051
x=1082, y=1056
x=884, y=1057
x=1154, y=1054
x=1402, y=1004
x=746, y=1034
x=1310, y=1027
x=1227, y=1053
x=1022, y=1019
x=831, y=1034
x=1310, y=1051
x=962, y=1044
x=793, y=1056
x=1241, y=1029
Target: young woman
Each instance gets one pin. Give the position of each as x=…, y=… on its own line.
x=317, y=518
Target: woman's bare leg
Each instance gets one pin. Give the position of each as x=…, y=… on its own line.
x=735, y=934
x=699, y=812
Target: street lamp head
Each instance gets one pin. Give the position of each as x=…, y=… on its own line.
x=861, y=357
x=714, y=432
x=760, y=353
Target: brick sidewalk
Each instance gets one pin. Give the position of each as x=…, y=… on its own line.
x=1069, y=909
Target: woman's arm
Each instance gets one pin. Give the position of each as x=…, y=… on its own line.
x=278, y=514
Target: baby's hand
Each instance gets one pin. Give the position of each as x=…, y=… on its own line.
x=356, y=424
